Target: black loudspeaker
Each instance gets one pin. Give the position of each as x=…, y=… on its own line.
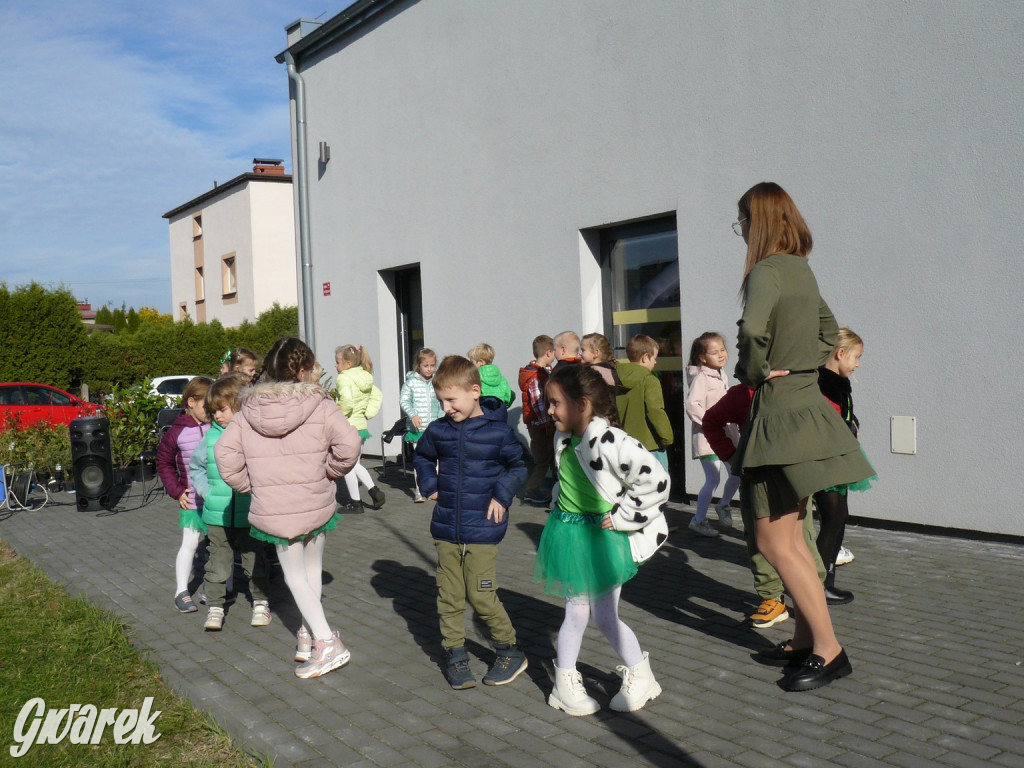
x=91, y=462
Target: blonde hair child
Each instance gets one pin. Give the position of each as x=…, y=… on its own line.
x=359, y=399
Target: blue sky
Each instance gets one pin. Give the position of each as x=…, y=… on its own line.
x=118, y=111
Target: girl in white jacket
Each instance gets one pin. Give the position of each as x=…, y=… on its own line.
x=606, y=521
x=419, y=403
x=708, y=384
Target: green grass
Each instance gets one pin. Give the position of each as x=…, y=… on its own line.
x=67, y=651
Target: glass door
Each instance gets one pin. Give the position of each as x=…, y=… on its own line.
x=640, y=272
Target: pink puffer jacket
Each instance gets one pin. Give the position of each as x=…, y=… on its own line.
x=285, y=447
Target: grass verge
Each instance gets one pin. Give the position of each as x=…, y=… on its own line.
x=67, y=651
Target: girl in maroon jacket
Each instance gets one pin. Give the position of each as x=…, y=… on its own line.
x=172, y=457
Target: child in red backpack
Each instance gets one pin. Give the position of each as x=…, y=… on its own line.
x=532, y=379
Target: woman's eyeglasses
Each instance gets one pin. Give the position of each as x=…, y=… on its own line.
x=737, y=227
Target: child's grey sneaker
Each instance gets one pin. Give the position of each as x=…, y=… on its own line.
x=702, y=528
x=508, y=665
x=183, y=602
x=845, y=556
x=458, y=672
x=724, y=516
x=260, y=613
x=214, y=619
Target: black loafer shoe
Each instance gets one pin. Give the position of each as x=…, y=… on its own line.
x=836, y=596
x=815, y=673
x=779, y=656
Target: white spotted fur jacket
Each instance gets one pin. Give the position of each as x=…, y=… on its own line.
x=627, y=476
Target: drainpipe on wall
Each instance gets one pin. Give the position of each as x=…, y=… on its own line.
x=302, y=185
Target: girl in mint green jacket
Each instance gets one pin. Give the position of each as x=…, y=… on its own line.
x=359, y=400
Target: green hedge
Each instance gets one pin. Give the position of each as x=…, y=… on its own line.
x=43, y=339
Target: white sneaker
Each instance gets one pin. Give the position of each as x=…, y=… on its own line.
x=303, y=644
x=326, y=655
x=702, y=528
x=845, y=556
x=724, y=516
x=260, y=613
x=214, y=619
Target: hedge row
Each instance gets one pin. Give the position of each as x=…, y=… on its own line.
x=43, y=339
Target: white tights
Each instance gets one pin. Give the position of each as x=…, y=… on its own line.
x=183, y=562
x=605, y=610
x=302, y=565
x=712, y=475
x=356, y=475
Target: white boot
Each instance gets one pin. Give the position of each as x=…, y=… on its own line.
x=570, y=696
x=638, y=687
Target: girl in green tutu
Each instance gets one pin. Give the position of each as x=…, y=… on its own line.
x=607, y=519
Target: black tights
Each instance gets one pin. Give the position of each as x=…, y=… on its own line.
x=832, y=511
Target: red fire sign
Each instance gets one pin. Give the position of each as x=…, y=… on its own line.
x=327, y=289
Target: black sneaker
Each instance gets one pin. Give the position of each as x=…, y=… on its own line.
x=378, y=497
x=458, y=672
x=508, y=665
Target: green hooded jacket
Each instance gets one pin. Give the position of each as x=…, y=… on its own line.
x=493, y=384
x=641, y=406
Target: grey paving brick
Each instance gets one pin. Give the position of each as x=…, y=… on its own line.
x=910, y=699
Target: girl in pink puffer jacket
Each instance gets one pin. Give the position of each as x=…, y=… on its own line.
x=286, y=446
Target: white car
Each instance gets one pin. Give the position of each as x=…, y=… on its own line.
x=171, y=388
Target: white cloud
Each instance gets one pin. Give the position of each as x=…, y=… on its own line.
x=117, y=112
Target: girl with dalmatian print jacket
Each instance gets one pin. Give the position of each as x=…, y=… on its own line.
x=607, y=519
x=628, y=477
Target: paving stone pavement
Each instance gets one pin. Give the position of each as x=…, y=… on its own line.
x=934, y=636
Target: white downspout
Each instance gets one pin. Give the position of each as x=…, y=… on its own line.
x=308, y=332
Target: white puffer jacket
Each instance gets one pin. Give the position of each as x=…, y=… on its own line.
x=419, y=399
x=627, y=476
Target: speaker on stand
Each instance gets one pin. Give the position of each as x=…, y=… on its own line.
x=91, y=463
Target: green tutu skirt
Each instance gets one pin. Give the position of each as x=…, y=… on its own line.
x=364, y=434
x=860, y=485
x=190, y=518
x=413, y=437
x=578, y=558
x=277, y=541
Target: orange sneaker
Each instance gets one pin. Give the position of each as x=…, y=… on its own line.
x=769, y=613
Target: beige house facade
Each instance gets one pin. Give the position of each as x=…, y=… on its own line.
x=233, y=248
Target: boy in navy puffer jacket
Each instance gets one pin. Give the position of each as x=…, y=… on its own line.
x=471, y=463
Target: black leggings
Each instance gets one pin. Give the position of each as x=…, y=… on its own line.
x=832, y=511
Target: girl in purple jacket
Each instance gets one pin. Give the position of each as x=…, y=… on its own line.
x=172, y=457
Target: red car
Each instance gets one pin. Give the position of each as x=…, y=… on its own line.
x=31, y=403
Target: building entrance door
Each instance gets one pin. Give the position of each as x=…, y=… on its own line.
x=640, y=273
x=409, y=303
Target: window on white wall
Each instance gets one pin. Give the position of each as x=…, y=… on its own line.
x=200, y=290
x=228, y=276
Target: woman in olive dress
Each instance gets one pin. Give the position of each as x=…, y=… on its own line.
x=794, y=443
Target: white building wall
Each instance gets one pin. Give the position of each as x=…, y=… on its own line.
x=273, y=246
x=228, y=224
x=478, y=139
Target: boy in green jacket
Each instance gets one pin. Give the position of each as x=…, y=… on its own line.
x=640, y=400
x=226, y=513
x=492, y=382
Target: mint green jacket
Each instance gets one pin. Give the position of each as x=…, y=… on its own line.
x=222, y=506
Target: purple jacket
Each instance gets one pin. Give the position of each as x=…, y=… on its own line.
x=174, y=452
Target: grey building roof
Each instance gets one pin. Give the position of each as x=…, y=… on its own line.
x=219, y=189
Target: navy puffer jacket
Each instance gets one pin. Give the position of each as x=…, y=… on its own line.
x=469, y=463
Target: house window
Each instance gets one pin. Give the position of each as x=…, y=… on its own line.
x=228, y=276
x=183, y=311
x=200, y=292
x=197, y=226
